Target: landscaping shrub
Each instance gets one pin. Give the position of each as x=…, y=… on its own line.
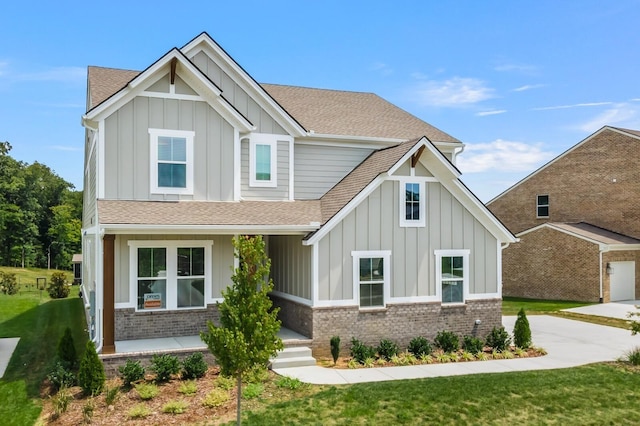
x=256, y=374
x=91, y=375
x=87, y=411
x=58, y=288
x=61, y=377
x=131, y=372
x=165, y=366
x=252, y=390
x=335, y=348
x=194, y=366
x=226, y=383
x=9, y=283
x=139, y=411
x=174, y=407
x=188, y=388
x=387, y=349
x=498, y=339
x=111, y=394
x=472, y=344
x=448, y=341
x=522, y=331
x=288, y=382
x=216, y=398
x=67, y=351
x=360, y=352
x=633, y=356
x=61, y=401
x=420, y=346
x=147, y=391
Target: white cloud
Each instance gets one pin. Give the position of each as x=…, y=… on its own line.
x=586, y=104
x=492, y=112
x=514, y=67
x=382, y=68
x=621, y=114
x=456, y=91
x=502, y=156
x=527, y=87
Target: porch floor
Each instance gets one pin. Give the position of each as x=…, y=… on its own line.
x=185, y=343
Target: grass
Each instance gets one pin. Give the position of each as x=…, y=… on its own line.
x=39, y=322
x=595, y=394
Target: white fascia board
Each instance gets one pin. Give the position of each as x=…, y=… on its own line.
x=211, y=229
x=342, y=213
x=230, y=67
x=623, y=247
x=313, y=138
x=568, y=151
x=603, y=246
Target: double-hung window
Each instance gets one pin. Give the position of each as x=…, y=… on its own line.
x=170, y=274
x=542, y=206
x=171, y=161
x=412, y=203
x=452, y=275
x=263, y=167
x=371, y=277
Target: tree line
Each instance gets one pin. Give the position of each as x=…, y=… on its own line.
x=40, y=215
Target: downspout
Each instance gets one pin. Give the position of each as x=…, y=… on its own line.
x=602, y=250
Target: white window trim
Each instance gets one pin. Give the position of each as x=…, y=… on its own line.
x=154, y=134
x=386, y=292
x=538, y=205
x=464, y=253
x=263, y=139
x=404, y=223
x=172, y=267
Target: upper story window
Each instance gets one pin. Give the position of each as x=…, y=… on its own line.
x=371, y=277
x=171, y=161
x=412, y=203
x=542, y=206
x=263, y=166
x=452, y=275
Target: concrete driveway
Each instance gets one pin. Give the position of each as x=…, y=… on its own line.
x=613, y=310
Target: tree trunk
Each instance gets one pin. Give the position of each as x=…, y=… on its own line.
x=238, y=399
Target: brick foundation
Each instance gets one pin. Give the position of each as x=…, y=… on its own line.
x=131, y=325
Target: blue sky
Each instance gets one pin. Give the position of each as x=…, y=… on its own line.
x=517, y=82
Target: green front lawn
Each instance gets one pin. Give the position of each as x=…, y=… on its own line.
x=39, y=322
x=511, y=305
x=595, y=394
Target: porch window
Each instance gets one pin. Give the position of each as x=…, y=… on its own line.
x=412, y=204
x=452, y=270
x=171, y=161
x=190, y=277
x=542, y=206
x=152, y=278
x=371, y=278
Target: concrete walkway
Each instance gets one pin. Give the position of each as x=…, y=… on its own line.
x=613, y=310
x=7, y=346
x=568, y=343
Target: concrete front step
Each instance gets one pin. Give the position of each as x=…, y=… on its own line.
x=293, y=357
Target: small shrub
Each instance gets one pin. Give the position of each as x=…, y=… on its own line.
x=468, y=356
x=410, y=359
x=288, y=382
x=174, y=407
x=216, y=398
x=111, y=394
x=194, y=366
x=521, y=353
x=448, y=341
x=426, y=358
x=508, y=355
x=496, y=354
x=522, y=331
x=67, y=350
x=352, y=364
x=252, y=390
x=9, y=283
x=226, y=383
x=400, y=360
x=381, y=362
x=87, y=411
x=386, y=349
x=165, y=366
x=188, y=388
x=139, y=411
x=335, y=348
x=61, y=377
x=443, y=358
x=58, y=288
x=257, y=374
x=131, y=372
x=360, y=351
x=481, y=356
x=498, y=339
x=420, y=346
x=633, y=356
x=472, y=344
x=91, y=375
x=61, y=401
x=369, y=362
x=147, y=391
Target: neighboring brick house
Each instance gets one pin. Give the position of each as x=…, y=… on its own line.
x=370, y=232
x=578, y=221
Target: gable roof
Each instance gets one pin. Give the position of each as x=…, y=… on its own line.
x=104, y=82
x=587, y=231
x=335, y=112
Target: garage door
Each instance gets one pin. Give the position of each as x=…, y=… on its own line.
x=623, y=281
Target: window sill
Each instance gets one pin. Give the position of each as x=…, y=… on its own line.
x=454, y=305
x=169, y=311
x=373, y=309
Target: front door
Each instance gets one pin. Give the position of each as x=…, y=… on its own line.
x=623, y=280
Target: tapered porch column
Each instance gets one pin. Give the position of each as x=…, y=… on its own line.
x=108, y=305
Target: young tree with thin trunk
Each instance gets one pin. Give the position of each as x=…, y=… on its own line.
x=248, y=331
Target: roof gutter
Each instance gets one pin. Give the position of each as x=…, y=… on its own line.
x=217, y=229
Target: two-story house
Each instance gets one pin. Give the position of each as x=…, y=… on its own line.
x=577, y=218
x=370, y=232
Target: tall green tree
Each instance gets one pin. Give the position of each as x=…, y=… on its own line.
x=248, y=332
